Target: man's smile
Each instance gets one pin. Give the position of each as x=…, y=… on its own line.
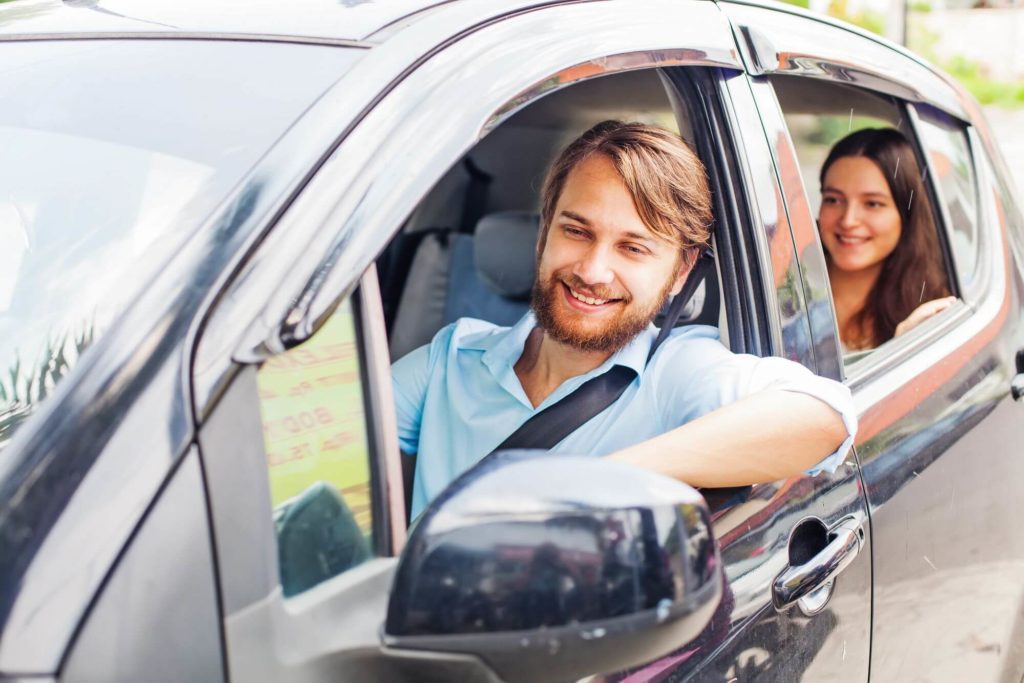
x=583, y=301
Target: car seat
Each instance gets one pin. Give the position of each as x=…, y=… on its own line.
x=487, y=275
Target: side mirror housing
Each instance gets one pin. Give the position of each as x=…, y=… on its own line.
x=556, y=567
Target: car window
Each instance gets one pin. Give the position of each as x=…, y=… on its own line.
x=468, y=250
x=99, y=192
x=949, y=163
x=868, y=188
x=818, y=121
x=318, y=456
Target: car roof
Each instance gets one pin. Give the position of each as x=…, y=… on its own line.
x=308, y=20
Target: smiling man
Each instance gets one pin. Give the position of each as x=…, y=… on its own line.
x=626, y=211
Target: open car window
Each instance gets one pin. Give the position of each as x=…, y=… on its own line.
x=891, y=227
x=469, y=248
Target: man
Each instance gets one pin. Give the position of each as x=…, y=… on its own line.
x=626, y=211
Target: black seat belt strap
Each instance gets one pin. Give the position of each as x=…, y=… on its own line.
x=559, y=420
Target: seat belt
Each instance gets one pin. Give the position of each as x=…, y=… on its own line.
x=548, y=427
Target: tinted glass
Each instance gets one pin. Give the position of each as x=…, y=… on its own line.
x=111, y=154
x=318, y=457
x=949, y=161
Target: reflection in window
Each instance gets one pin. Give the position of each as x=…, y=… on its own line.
x=949, y=160
x=97, y=193
x=314, y=428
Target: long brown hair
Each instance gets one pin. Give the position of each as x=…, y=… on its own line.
x=913, y=273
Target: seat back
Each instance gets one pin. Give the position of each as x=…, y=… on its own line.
x=486, y=275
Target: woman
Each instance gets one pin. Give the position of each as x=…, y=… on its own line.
x=879, y=238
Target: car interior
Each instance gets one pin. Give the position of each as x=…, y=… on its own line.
x=469, y=249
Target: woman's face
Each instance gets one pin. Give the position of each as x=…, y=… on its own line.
x=859, y=222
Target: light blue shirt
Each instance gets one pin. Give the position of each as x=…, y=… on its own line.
x=458, y=397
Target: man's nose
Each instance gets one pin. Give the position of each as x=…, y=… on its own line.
x=594, y=266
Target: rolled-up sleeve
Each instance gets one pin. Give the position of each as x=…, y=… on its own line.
x=778, y=373
x=699, y=375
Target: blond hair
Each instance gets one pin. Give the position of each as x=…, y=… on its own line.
x=664, y=176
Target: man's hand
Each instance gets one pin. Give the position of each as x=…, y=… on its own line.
x=764, y=437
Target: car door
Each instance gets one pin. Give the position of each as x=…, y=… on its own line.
x=300, y=282
x=788, y=526
x=938, y=428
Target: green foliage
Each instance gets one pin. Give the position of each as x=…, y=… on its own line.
x=867, y=19
x=970, y=73
x=806, y=4
x=987, y=90
x=830, y=129
x=25, y=387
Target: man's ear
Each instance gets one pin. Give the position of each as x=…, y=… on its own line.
x=689, y=258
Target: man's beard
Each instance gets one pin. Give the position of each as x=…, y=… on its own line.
x=632, y=318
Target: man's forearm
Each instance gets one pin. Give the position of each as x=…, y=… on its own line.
x=764, y=437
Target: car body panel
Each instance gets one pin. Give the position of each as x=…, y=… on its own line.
x=316, y=20
x=942, y=470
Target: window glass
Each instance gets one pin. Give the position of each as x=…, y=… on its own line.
x=949, y=160
x=98, y=192
x=820, y=114
x=318, y=456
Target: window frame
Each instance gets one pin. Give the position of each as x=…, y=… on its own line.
x=882, y=360
x=915, y=353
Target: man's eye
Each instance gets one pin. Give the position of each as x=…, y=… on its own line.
x=573, y=231
x=634, y=250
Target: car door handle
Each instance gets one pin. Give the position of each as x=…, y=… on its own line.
x=796, y=582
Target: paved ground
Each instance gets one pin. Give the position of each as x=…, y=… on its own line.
x=1009, y=128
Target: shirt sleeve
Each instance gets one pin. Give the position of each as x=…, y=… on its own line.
x=699, y=375
x=410, y=380
x=410, y=376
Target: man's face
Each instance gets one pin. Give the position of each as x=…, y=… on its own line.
x=602, y=275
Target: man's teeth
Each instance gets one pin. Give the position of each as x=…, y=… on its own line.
x=587, y=299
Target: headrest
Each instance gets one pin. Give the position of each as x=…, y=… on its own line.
x=505, y=252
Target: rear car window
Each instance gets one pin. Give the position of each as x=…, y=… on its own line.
x=113, y=153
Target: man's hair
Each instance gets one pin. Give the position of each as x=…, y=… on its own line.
x=664, y=176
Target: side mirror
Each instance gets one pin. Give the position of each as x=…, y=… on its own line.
x=551, y=568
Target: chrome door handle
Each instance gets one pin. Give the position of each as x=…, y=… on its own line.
x=846, y=539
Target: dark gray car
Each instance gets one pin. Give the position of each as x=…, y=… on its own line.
x=220, y=224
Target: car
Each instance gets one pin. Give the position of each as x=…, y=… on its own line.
x=223, y=221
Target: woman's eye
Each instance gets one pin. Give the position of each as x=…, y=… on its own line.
x=829, y=200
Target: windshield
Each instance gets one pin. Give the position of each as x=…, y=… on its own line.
x=111, y=154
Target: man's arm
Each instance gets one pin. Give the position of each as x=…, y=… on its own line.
x=763, y=437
